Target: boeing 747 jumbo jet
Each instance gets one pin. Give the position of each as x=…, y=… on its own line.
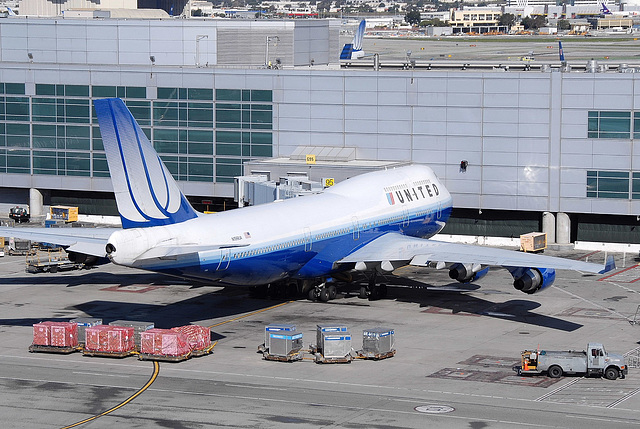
x=374, y=222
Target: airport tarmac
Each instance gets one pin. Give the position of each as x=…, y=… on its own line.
x=577, y=49
x=455, y=348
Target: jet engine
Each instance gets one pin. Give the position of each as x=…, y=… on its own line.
x=467, y=273
x=83, y=258
x=532, y=280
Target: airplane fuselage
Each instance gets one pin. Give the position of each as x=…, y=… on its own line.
x=297, y=238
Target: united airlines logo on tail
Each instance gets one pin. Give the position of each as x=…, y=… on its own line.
x=146, y=193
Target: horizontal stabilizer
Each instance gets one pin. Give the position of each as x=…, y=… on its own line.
x=90, y=241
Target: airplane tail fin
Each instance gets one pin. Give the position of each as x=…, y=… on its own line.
x=560, y=52
x=353, y=50
x=146, y=193
x=609, y=264
x=357, y=38
x=11, y=12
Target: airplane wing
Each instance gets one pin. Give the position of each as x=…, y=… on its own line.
x=419, y=252
x=90, y=241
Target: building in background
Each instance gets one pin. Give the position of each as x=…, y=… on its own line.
x=213, y=98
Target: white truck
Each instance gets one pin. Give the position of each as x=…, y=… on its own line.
x=594, y=361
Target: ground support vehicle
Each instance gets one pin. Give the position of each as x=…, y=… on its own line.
x=19, y=214
x=50, y=261
x=594, y=361
x=19, y=247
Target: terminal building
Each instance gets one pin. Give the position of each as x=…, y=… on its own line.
x=519, y=151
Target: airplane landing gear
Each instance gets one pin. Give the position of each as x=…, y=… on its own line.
x=322, y=292
x=373, y=291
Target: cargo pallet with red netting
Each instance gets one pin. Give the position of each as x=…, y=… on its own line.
x=54, y=337
x=109, y=341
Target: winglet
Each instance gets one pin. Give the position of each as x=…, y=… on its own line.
x=609, y=265
x=146, y=193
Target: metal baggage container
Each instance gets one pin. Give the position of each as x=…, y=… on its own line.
x=328, y=328
x=283, y=343
x=336, y=345
x=276, y=328
x=378, y=340
x=138, y=327
x=83, y=323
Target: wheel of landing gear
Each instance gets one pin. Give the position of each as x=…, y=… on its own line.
x=333, y=292
x=375, y=293
x=383, y=290
x=292, y=290
x=312, y=294
x=324, y=294
x=363, y=292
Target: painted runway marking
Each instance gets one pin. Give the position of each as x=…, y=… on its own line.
x=249, y=314
x=559, y=389
x=624, y=398
x=154, y=375
x=593, y=303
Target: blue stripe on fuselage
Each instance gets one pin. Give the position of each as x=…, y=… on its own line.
x=273, y=261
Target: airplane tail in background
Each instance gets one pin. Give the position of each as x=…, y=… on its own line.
x=146, y=193
x=353, y=50
x=561, y=52
x=11, y=12
x=605, y=10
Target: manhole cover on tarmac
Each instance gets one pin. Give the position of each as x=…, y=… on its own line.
x=434, y=409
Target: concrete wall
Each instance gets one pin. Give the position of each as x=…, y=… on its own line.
x=172, y=42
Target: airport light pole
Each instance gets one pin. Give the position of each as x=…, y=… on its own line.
x=199, y=37
x=266, y=55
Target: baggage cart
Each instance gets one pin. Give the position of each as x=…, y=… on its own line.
x=274, y=328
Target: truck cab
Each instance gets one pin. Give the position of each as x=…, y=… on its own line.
x=599, y=362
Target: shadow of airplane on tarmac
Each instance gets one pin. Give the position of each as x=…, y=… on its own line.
x=453, y=299
x=220, y=303
x=230, y=301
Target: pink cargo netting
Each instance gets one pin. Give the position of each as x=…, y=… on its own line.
x=42, y=333
x=164, y=342
x=97, y=338
x=198, y=337
x=58, y=334
x=120, y=339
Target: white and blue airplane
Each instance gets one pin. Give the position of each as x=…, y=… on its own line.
x=353, y=50
x=373, y=222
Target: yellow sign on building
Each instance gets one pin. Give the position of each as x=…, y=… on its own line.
x=311, y=159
